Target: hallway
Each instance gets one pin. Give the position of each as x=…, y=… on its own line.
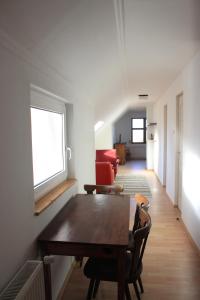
x=171, y=261
x=132, y=166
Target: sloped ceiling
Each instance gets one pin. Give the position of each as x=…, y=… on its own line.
x=108, y=50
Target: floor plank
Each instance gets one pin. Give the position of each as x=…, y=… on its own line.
x=171, y=262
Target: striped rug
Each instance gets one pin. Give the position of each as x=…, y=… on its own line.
x=134, y=184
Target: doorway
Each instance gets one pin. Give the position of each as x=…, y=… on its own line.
x=179, y=142
x=165, y=147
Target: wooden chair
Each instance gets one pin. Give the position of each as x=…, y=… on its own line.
x=103, y=189
x=142, y=203
x=97, y=269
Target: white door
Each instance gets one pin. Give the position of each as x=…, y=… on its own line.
x=179, y=138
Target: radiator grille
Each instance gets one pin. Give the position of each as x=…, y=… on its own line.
x=28, y=283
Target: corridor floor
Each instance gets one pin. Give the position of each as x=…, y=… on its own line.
x=171, y=261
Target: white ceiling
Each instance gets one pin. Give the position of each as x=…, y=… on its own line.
x=109, y=50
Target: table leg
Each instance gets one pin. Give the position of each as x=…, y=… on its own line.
x=47, y=281
x=121, y=275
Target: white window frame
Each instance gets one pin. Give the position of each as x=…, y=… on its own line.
x=42, y=99
x=143, y=129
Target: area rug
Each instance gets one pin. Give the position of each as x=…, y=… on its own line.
x=134, y=184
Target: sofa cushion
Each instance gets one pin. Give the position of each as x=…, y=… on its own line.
x=104, y=173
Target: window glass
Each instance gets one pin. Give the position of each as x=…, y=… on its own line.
x=47, y=144
x=137, y=123
x=138, y=136
x=49, y=136
x=138, y=130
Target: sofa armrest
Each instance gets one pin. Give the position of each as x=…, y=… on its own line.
x=108, y=155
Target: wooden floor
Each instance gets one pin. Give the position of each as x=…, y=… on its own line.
x=171, y=262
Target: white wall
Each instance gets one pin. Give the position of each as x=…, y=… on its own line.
x=18, y=226
x=84, y=145
x=104, y=137
x=188, y=83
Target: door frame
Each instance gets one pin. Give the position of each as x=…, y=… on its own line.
x=179, y=151
x=165, y=146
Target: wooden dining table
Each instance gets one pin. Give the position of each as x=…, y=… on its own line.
x=89, y=225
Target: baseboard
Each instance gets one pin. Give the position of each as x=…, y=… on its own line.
x=141, y=158
x=60, y=295
x=194, y=245
x=158, y=178
x=180, y=219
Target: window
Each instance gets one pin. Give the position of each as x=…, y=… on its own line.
x=48, y=127
x=47, y=144
x=138, y=130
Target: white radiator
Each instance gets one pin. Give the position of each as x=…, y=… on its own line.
x=28, y=283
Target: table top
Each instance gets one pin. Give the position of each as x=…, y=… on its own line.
x=97, y=219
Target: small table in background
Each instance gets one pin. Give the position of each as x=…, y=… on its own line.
x=121, y=152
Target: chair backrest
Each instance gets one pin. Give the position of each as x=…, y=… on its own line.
x=140, y=238
x=103, y=189
x=136, y=224
x=136, y=218
x=142, y=201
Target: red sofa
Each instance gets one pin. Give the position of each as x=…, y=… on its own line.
x=104, y=173
x=108, y=155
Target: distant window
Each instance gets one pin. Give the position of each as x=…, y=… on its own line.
x=48, y=126
x=138, y=130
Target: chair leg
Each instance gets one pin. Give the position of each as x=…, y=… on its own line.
x=128, y=295
x=140, y=284
x=79, y=260
x=90, y=289
x=96, y=287
x=136, y=290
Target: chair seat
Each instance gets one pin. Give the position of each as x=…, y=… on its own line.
x=106, y=269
